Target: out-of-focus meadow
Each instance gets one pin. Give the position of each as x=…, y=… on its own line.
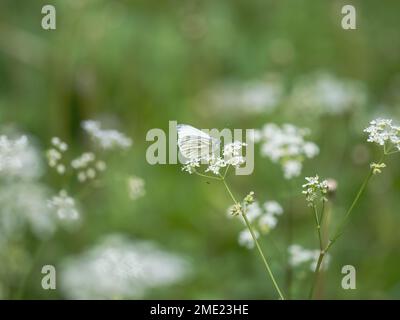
x=136, y=65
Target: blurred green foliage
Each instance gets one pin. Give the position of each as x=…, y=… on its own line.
x=145, y=63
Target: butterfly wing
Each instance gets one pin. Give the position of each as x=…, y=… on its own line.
x=194, y=143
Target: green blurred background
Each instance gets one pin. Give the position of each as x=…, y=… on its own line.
x=144, y=63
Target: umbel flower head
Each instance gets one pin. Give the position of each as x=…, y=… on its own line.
x=384, y=133
x=64, y=205
x=120, y=268
x=315, y=189
x=287, y=146
x=106, y=138
x=200, y=148
x=322, y=93
x=263, y=218
x=18, y=158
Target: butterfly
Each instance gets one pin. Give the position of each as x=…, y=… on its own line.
x=195, y=144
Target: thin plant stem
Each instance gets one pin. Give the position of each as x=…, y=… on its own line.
x=248, y=224
x=289, y=239
x=339, y=230
x=316, y=273
x=206, y=176
x=318, y=226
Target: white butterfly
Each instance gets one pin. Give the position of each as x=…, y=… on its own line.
x=195, y=144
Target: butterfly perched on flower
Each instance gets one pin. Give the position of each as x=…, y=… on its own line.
x=195, y=144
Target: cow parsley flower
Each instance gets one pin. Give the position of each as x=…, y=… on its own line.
x=384, y=133
x=246, y=240
x=18, y=158
x=64, y=206
x=249, y=97
x=262, y=217
x=267, y=222
x=191, y=165
x=118, y=268
x=253, y=211
x=273, y=207
x=23, y=206
x=299, y=256
x=315, y=189
x=106, y=139
x=287, y=146
x=55, y=154
x=87, y=166
x=323, y=93
x=232, y=156
x=215, y=164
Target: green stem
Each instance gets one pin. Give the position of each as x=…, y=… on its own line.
x=316, y=273
x=339, y=230
x=256, y=242
x=317, y=225
x=206, y=176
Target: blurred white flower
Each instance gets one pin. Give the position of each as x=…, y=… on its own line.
x=136, y=187
x=87, y=166
x=23, y=204
x=299, y=256
x=64, y=206
x=118, y=268
x=287, y=146
x=262, y=218
x=253, y=211
x=106, y=139
x=248, y=97
x=267, y=222
x=55, y=154
x=59, y=144
x=323, y=93
x=384, y=133
x=246, y=240
x=273, y=207
x=18, y=158
x=291, y=168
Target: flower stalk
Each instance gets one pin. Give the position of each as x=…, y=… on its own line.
x=248, y=225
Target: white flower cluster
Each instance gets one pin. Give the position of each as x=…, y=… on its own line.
x=299, y=256
x=87, y=166
x=136, y=187
x=118, y=268
x=323, y=93
x=23, y=201
x=250, y=97
x=55, y=154
x=384, y=133
x=263, y=220
x=18, y=159
x=287, y=146
x=315, y=189
x=106, y=139
x=64, y=206
x=23, y=205
x=232, y=156
x=245, y=238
